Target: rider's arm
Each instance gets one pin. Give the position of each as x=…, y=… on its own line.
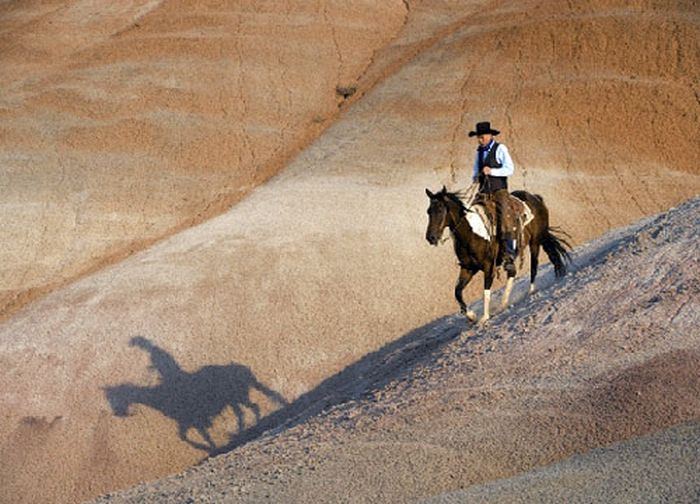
x=503, y=157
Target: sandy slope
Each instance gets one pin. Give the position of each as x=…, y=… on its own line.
x=123, y=122
x=607, y=355
x=323, y=264
x=657, y=468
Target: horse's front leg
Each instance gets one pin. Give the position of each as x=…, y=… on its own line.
x=488, y=281
x=465, y=275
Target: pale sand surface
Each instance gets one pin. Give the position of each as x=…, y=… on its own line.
x=127, y=139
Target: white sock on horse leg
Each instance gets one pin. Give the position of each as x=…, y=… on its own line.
x=506, y=293
x=487, y=303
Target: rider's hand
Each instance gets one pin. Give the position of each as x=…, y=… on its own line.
x=487, y=170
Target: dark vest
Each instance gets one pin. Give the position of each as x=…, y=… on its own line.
x=489, y=183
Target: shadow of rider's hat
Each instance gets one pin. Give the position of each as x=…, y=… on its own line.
x=483, y=128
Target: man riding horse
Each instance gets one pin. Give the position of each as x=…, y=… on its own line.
x=524, y=215
x=492, y=167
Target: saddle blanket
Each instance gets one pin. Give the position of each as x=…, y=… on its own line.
x=478, y=219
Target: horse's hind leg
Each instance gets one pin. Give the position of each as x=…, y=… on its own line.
x=534, y=257
x=507, y=291
x=465, y=275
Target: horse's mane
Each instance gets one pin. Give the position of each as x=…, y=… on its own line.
x=457, y=199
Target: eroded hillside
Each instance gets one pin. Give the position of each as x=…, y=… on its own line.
x=149, y=364
x=605, y=360
x=123, y=122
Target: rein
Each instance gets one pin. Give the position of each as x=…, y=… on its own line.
x=458, y=221
x=470, y=195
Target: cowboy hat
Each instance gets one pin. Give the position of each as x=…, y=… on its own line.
x=483, y=128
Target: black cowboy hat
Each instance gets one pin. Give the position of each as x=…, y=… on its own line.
x=483, y=128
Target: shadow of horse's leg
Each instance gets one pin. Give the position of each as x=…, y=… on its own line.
x=211, y=446
x=254, y=408
x=182, y=432
x=271, y=394
x=239, y=415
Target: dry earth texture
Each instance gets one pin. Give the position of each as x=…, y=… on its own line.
x=457, y=413
x=123, y=122
x=165, y=298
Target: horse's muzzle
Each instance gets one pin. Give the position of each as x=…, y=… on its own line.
x=432, y=238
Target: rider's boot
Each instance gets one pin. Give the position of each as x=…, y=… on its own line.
x=509, y=251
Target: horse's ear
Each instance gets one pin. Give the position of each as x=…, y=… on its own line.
x=430, y=195
x=444, y=190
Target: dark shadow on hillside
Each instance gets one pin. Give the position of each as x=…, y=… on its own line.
x=195, y=399
x=395, y=361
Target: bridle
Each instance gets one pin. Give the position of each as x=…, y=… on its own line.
x=470, y=195
x=456, y=220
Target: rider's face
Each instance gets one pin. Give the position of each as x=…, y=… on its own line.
x=484, y=139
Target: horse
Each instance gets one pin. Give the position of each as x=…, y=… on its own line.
x=447, y=210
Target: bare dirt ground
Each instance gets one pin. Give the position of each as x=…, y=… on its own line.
x=190, y=246
x=656, y=468
x=607, y=355
x=123, y=123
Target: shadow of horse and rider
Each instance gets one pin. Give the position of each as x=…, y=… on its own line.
x=193, y=400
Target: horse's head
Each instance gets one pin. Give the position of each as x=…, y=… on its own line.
x=118, y=398
x=438, y=216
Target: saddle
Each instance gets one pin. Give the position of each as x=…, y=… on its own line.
x=482, y=219
x=482, y=216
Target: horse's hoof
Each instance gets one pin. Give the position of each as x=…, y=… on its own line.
x=471, y=316
x=483, y=320
x=464, y=336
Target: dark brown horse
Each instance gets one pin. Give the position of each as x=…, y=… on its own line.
x=447, y=210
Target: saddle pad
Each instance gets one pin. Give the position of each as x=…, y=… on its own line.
x=479, y=222
x=526, y=216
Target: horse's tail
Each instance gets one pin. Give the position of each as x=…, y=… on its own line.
x=555, y=246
